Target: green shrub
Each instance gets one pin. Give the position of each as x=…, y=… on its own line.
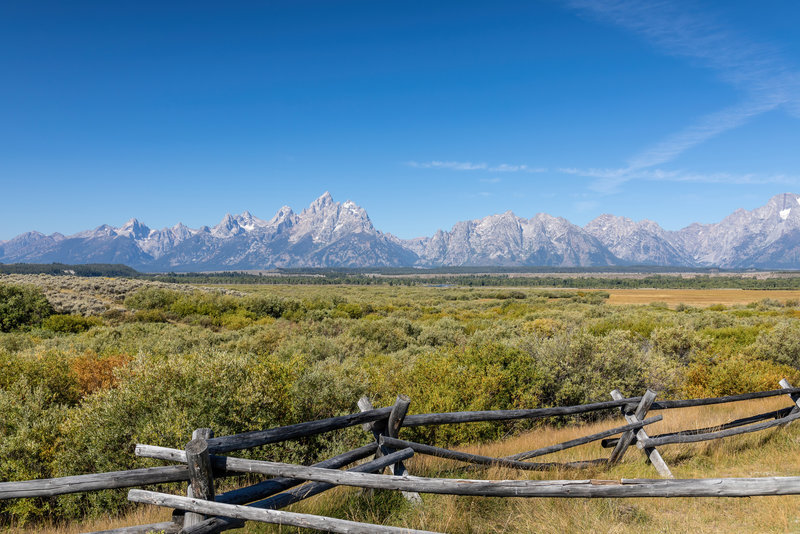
x=22, y=306
x=48, y=370
x=150, y=316
x=387, y=334
x=29, y=429
x=70, y=324
x=151, y=298
x=674, y=341
x=781, y=344
x=711, y=376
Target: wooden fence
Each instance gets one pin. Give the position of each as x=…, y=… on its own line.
x=202, y=461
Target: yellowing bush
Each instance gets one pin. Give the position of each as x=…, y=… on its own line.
x=94, y=372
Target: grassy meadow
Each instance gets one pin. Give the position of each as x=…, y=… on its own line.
x=90, y=367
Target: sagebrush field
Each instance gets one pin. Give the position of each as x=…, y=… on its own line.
x=144, y=362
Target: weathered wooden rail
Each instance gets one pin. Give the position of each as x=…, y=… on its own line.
x=202, y=462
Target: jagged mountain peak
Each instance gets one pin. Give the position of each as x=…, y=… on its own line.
x=249, y=222
x=329, y=233
x=325, y=200
x=133, y=229
x=327, y=220
x=637, y=242
x=227, y=227
x=283, y=217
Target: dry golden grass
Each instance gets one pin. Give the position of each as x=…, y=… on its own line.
x=697, y=297
x=772, y=452
x=140, y=516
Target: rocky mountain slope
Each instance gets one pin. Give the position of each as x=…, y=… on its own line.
x=334, y=234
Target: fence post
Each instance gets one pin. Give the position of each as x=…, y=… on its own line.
x=390, y=428
x=201, y=484
x=640, y=435
x=794, y=396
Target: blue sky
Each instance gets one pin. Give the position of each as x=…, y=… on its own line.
x=424, y=113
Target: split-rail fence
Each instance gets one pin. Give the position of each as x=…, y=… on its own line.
x=203, y=460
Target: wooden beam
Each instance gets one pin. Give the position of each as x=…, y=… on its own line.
x=628, y=437
x=257, y=438
x=482, y=460
x=48, y=487
x=229, y=463
x=794, y=396
x=381, y=428
x=538, y=413
x=448, y=418
x=190, y=518
x=167, y=527
x=201, y=477
x=219, y=524
x=397, y=416
x=688, y=403
x=650, y=451
x=710, y=487
x=607, y=443
x=279, y=517
x=272, y=486
x=584, y=440
x=364, y=404
x=666, y=440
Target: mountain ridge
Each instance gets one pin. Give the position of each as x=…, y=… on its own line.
x=341, y=234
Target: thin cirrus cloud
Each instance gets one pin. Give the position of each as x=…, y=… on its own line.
x=618, y=176
x=756, y=69
x=470, y=166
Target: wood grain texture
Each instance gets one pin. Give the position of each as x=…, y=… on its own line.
x=201, y=476
x=641, y=435
x=627, y=438
x=777, y=414
x=257, y=438
x=190, y=518
x=666, y=440
x=711, y=487
x=584, y=440
x=220, y=524
x=280, y=517
x=49, y=487
x=482, y=460
x=628, y=404
x=167, y=527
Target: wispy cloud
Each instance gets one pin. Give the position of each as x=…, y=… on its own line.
x=608, y=179
x=452, y=165
x=470, y=166
x=756, y=69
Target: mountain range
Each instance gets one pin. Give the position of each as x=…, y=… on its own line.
x=335, y=234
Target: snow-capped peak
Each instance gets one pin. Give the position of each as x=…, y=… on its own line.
x=227, y=227
x=133, y=229
x=249, y=222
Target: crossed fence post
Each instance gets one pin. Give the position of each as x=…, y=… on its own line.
x=639, y=435
x=390, y=428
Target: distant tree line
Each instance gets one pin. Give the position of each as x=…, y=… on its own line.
x=658, y=277
x=86, y=269
x=331, y=277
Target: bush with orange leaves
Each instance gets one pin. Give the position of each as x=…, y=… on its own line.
x=93, y=372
